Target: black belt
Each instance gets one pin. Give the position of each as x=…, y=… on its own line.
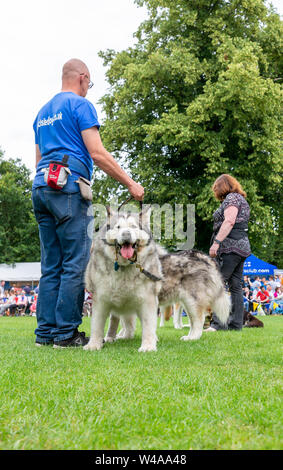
x=238, y=232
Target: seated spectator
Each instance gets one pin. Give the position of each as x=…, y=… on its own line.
x=10, y=299
x=277, y=282
x=4, y=307
x=23, y=302
x=30, y=300
x=33, y=307
x=3, y=304
x=17, y=303
x=270, y=293
x=256, y=284
x=4, y=298
x=2, y=288
x=277, y=292
x=27, y=289
x=246, y=302
x=277, y=301
x=263, y=281
x=262, y=295
x=248, y=297
x=271, y=282
x=246, y=282
x=255, y=291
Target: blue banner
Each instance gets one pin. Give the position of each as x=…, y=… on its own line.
x=257, y=267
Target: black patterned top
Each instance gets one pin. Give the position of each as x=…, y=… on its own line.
x=242, y=246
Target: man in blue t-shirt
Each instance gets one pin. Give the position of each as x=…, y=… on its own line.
x=67, y=125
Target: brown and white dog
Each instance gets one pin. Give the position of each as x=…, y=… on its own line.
x=250, y=321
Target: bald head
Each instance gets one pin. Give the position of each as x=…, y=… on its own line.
x=73, y=77
x=73, y=68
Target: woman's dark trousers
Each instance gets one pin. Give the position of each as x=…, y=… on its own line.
x=232, y=271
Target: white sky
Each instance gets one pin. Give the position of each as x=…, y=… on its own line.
x=37, y=38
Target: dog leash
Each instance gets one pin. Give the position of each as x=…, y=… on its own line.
x=123, y=203
x=126, y=201
x=139, y=266
x=147, y=273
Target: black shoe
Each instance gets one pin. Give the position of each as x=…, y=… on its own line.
x=43, y=343
x=78, y=339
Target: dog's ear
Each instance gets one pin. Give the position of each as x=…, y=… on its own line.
x=144, y=216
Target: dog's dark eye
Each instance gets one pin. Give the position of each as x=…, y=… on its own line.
x=118, y=226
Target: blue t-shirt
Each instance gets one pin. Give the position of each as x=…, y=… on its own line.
x=58, y=127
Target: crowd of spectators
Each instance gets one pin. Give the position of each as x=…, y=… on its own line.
x=263, y=295
x=17, y=301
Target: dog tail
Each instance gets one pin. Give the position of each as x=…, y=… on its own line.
x=222, y=306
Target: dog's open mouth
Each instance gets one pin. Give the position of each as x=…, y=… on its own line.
x=127, y=250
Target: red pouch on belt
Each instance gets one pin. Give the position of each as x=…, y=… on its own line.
x=56, y=175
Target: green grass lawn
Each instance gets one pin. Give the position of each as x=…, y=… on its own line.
x=221, y=392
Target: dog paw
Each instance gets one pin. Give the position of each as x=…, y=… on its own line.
x=190, y=338
x=147, y=348
x=126, y=336
x=109, y=339
x=93, y=346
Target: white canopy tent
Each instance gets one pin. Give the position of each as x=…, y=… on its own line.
x=20, y=272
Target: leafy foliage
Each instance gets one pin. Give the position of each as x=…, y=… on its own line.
x=199, y=95
x=19, y=239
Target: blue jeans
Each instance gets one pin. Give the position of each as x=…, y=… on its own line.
x=63, y=221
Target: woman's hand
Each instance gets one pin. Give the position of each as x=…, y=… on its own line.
x=213, y=250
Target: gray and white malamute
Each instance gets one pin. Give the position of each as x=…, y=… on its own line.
x=129, y=275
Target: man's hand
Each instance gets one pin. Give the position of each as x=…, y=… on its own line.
x=136, y=190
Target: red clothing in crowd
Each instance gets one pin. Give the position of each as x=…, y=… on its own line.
x=263, y=295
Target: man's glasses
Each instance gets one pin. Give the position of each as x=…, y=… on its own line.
x=90, y=83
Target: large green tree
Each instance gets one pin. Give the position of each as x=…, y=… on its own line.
x=19, y=241
x=196, y=96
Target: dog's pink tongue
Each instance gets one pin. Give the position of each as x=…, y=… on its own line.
x=127, y=251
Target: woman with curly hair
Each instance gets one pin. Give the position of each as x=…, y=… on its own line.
x=230, y=244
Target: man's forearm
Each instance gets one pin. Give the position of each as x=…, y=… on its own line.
x=108, y=164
